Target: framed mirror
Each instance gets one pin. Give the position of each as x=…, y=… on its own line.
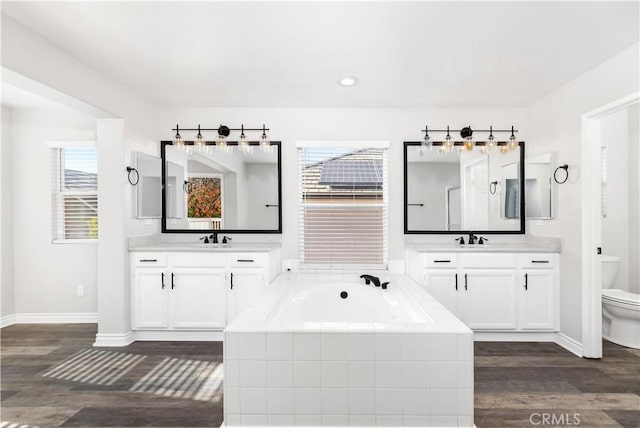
x=458, y=191
x=538, y=187
x=148, y=189
x=226, y=190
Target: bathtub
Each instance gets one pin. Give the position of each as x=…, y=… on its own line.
x=328, y=350
x=347, y=306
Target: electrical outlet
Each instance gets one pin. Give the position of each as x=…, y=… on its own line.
x=80, y=290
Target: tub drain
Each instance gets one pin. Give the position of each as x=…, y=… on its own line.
x=344, y=294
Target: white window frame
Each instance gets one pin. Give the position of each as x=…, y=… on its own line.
x=56, y=181
x=355, y=145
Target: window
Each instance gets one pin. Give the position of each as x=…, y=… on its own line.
x=74, y=187
x=343, y=206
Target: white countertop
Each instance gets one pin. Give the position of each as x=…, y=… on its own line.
x=484, y=248
x=244, y=247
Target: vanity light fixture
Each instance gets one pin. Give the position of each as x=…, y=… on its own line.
x=223, y=132
x=468, y=142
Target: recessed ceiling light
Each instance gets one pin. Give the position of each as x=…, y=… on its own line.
x=348, y=81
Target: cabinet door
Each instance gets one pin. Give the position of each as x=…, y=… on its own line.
x=245, y=285
x=197, y=298
x=444, y=286
x=488, y=298
x=150, y=294
x=537, y=303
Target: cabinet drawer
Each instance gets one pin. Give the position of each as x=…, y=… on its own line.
x=442, y=260
x=150, y=259
x=490, y=260
x=248, y=259
x=200, y=259
x=538, y=261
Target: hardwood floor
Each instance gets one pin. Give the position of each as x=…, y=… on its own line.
x=52, y=377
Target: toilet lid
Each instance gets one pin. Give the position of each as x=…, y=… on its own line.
x=621, y=296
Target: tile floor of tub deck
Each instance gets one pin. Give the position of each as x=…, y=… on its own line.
x=51, y=378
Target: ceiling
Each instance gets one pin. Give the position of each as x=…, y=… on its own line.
x=291, y=54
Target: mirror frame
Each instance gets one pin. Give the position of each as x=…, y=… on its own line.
x=523, y=220
x=163, y=156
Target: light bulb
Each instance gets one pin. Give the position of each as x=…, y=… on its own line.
x=222, y=143
x=264, y=142
x=243, y=144
x=468, y=144
x=448, y=142
x=491, y=143
x=200, y=143
x=512, y=142
x=504, y=148
x=426, y=142
x=178, y=142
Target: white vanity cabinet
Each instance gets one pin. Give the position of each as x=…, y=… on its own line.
x=492, y=291
x=197, y=291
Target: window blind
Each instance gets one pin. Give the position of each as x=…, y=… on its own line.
x=343, y=207
x=74, y=186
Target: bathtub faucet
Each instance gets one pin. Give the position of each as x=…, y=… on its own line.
x=368, y=279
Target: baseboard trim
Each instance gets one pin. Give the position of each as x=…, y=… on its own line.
x=195, y=336
x=56, y=318
x=569, y=344
x=7, y=320
x=514, y=336
x=114, y=339
x=558, y=338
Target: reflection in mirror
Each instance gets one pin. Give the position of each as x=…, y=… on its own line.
x=222, y=189
x=538, y=187
x=148, y=190
x=457, y=191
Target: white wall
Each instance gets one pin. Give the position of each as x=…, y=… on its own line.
x=554, y=125
x=7, y=294
x=634, y=198
x=290, y=125
x=615, y=223
x=46, y=274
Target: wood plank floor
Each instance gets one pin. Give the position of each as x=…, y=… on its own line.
x=52, y=377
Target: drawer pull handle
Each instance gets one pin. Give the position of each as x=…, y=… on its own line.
x=539, y=261
x=456, y=282
x=526, y=281
x=231, y=280
x=172, y=283
x=245, y=260
x=148, y=260
x=162, y=279
x=465, y=281
x=442, y=261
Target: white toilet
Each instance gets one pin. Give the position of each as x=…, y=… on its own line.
x=620, y=308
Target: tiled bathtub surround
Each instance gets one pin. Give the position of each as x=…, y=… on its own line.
x=373, y=375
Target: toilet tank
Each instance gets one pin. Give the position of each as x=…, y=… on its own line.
x=609, y=270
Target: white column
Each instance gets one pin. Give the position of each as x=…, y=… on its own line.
x=114, y=327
